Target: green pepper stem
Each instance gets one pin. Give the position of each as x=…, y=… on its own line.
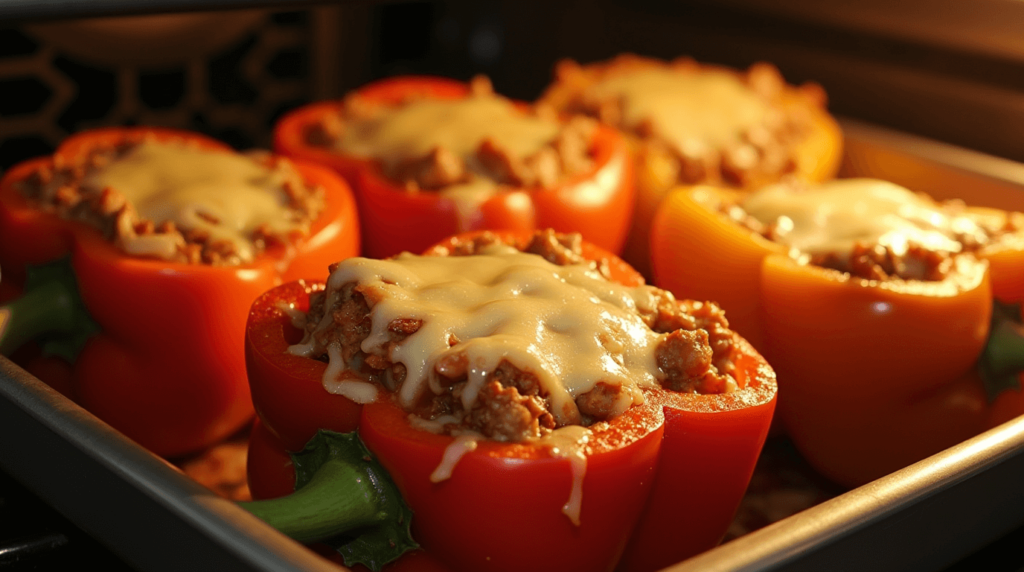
x=47, y=308
x=344, y=498
x=1004, y=351
x=338, y=499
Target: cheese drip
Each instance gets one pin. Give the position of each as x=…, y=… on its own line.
x=567, y=325
x=833, y=217
x=229, y=195
x=570, y=443
x=690, y=110
x=465, y=443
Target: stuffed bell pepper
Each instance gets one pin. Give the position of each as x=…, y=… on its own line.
x=690, y=123
x=873, y=303
x=535, y=404
x=430, y=157
x=137, y=252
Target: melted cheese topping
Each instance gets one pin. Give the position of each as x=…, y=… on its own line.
x=567, y=325
x=414, y=129
x=834, y=216
x=228, y=195
x=710, y=108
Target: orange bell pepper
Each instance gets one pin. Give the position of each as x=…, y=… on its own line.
x=873, y=375
x=597, y=203
x=1005, y=260
x=876, y=377
x=815, y=157
x=166, y=366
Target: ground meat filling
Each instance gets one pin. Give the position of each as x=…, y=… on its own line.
x=874, y=261
x=566, y=155
x=879, y=262
x=762, y=152
x=350, y=319
x=600, y=403
x=509, y=406
x=695, y=356
x=59, y=189
x=556, y=248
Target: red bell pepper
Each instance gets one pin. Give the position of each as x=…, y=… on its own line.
x=598, y=204
x=662, y=481
x=166, y=366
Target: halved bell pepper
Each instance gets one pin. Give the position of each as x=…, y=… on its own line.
x=166, y=366
x=874, y=375
x=661, y=483
x=598, y=203
x=816, y=156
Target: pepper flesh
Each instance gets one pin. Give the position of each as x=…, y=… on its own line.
x=875, y=376
x=638, y=511
x=598, y=203
x=166, y=368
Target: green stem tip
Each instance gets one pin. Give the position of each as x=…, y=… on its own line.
x=338, y=500
x=50, y=310
x=345, y=498
x=1002, y=360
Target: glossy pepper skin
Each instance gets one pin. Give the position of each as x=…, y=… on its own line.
x=874, y=376
x=662, y=482
x=598, y=204
x=167, y=367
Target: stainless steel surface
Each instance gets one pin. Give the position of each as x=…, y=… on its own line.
x=145, y=510
x=921, y=518
x=943, y=171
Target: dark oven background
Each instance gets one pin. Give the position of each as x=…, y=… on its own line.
x=935, y=68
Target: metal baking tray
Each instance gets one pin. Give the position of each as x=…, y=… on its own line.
x=923, y=517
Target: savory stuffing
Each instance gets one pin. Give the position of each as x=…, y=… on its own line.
x=179, y=202
x=870, y=229
x=701, y=123
x=482, y=140
x=480, y=376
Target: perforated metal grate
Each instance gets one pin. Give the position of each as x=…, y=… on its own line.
x=230, y=78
